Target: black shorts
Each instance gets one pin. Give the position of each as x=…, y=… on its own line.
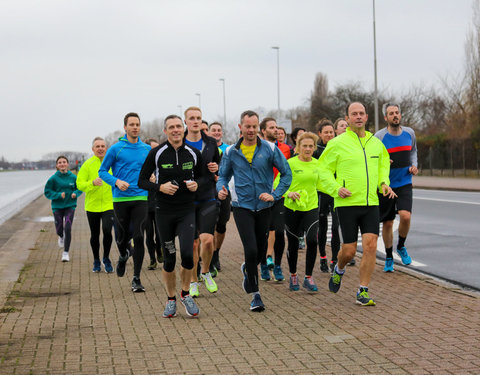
x=224, y=214
x=352, y=218
x=206, y=214
x=390, y=207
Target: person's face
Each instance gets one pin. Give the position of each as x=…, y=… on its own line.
x=193, y=120
x=99, y=148
x=306, y=148
x=216, y=132
x=341, y=127
x=62, y=165
x=393, y=116
x=174, y=130
x=357, y=116
x=270, y=132
x=204, y=128
x=281, y=135
x=326, y=134
x=249, y=128
x=300, y=132
x=133, y=127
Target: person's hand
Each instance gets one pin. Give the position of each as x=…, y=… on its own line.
x=388, y=191
x=222, y=194
x=63, y=195
x=293, y=195
x=391, y=161
x=266, y=197
x=344, y=193
x=74, y=195
x=122, y=185
x=168, y=188
x=413, y=170
x=212, y=167
x=98, y=181
x=191, y=185
x=152, y=178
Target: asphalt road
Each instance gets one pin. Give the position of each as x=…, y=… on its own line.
x=444, y=238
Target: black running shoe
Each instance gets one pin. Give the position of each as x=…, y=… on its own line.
x=122, y=262
x=323, y=265
x=137, y=286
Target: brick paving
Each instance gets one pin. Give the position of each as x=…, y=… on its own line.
x=60, y=318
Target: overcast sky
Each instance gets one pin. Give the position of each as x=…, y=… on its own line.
x=70, y=70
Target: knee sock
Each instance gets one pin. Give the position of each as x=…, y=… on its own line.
x=389, y=252
x=401, y=242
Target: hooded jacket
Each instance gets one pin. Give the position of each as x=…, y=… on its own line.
x=62, y=183
x=361, y=165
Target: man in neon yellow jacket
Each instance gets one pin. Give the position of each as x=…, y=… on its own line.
x=354, y=166
x=98, y=205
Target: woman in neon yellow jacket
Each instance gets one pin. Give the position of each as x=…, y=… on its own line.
x=98, y=205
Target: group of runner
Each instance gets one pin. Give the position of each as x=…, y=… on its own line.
x=192, y=181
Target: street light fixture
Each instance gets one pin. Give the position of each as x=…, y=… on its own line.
x=278, y=79
x=224, y=103
x=375, y=68
x=199, y=100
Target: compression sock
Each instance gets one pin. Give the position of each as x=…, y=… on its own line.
x=401, y=242
x=389, y=252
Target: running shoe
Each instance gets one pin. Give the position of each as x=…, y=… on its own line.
x=194, y=290
x=170, y=309
x=213, y=270
x=270, y=263
x=122, y=262
x=323, y=265
x=245, y=285
x=210, y=284
x=257, y=303
x=191, y=307
x=332, y=265
x=65, y=257
x=301, y=243
x=61, y=242
x=264, y=272
x=404, y=255
x=335, y=281
x=153, y=265
x=107, y=264
x=97, y=267
x=309, y=284
x=278, y=274
x=294, y=283
x=388, y=265
x=137, y=286
x=364, y=299
x=352, y=262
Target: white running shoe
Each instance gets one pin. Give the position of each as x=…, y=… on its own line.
x=65, y=257
x=61, y=242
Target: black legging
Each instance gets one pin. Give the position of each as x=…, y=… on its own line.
x=297, y=223
x=94, y=221
x=181, y=224
x=134, y=213
x=152, y=236
x=253, y=231
x=277, y=223
x=325, y=206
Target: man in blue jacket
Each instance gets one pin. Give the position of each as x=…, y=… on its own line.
x=130, y=205
x=250, y=161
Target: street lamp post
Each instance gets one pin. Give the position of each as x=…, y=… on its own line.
x=278, y=79
x=224, y=104
x=199, y=100
x=375, y=68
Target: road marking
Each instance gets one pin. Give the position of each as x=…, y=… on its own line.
x=446, y=200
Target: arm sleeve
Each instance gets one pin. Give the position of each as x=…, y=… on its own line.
x=225, y=170
x=147, y=169
x=327, y=168
x=49, y=191
x=105, y=167
x=383, y=168
x=83, y=182
x=280, y=162
x=198, y=170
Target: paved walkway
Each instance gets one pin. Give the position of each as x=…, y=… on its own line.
x=60, y=318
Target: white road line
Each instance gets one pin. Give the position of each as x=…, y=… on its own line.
x=446, y=200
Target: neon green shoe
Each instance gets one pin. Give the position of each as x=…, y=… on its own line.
x=194, y=290
x=209, y=282
x=364, y=299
